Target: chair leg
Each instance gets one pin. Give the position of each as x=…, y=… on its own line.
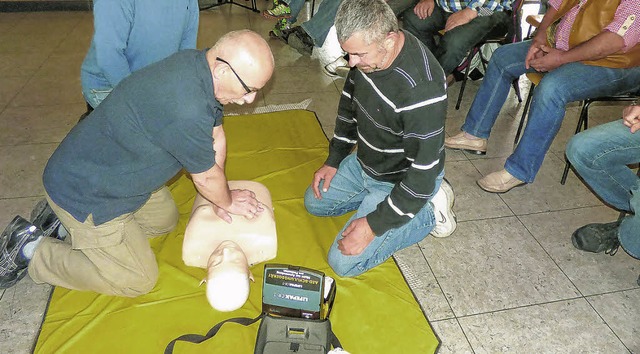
x=464, y=79
x=516, y=87
x=582, y=122
x=524, y=116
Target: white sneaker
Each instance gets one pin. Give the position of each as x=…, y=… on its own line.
x=338, y=68
x=443, y=211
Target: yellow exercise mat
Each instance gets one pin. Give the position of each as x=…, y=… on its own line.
x=373, y=313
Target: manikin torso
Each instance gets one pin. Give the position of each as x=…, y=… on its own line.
x=228, y=250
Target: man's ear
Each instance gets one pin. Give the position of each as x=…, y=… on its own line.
x=219, y=70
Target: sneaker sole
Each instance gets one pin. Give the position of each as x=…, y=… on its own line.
x=274, y=17
x=472, y=151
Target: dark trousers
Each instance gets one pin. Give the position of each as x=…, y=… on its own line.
x=454, y=45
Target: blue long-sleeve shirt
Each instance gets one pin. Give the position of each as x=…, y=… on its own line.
x=131, y=34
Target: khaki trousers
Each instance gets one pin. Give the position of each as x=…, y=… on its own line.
x=113, y=258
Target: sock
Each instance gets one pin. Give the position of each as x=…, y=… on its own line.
x=30, y=248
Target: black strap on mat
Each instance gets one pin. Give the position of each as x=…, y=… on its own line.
x=198, y=338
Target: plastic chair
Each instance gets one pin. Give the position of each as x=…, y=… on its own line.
x=514, y=35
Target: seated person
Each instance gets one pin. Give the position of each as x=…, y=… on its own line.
x=601, y=156
x=465, y=24
x=596, y=52
x=393, y=108
x=228, y=249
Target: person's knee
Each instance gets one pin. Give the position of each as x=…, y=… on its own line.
x=343, y=265
x=138, y=285
x=575, y=149
x=313, y=205
x=166, y=224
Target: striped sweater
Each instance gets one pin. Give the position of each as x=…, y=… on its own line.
x=396, y=118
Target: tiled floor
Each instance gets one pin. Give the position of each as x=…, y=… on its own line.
x=508, y=280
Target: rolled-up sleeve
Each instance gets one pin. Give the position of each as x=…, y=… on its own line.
x=626, y=23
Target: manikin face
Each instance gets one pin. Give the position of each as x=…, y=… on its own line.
x=228, y=277
x=368, y=57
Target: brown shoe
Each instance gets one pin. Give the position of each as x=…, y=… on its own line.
x=499, y=182
x=460, y=142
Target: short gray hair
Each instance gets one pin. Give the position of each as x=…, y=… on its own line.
x=374, y=18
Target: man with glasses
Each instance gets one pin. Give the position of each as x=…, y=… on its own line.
x=106, y=180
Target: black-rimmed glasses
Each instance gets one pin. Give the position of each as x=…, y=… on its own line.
x=246, y=88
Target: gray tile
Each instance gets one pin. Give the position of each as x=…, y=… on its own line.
x=452, y=339
x=22, y=308
x=324, y=104
x=471, y=202
x=494, y=264
x=9, y=208
x=590, y=273
x=422, y=282
x=560, y=327
x=295, y=79
x=22, y=167
x=39, y=124
x=545, y=193
x=620, y=311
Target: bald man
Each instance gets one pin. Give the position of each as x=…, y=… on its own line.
x=106, y=180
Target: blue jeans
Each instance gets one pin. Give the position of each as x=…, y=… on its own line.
x=295, y=6
x=600, y=155
x=568, y=83
x=319, y=25
x=95, y=96
x=352, y=189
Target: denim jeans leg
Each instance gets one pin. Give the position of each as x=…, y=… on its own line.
x=319, y=25
x=456, y=43
x=629, y=232
x=568, y=83
x=345, y=192
x=425, y=29
x=600, y=156
x=399, y=6
x=295, y=6
x=383, y=246
x=506, y=64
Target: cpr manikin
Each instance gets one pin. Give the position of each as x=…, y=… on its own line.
x=228, y=250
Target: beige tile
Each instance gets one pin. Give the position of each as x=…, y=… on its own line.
x=9, y=20
x=545, y=193
x=9, y=208
x=48, y=23
x=620, y=311
x=324, y=104
x=29, y=43
x=22, y=167
x=296, y=79
x=39, y=124
x=62, y=65
x=49, y=90
x=216, y=22
x=560, y=327
x=10, y=88
x=494, y=264
x=471, y=202
x=423, y=283
x=21, y=64
x=452, y=339
x=590, y=273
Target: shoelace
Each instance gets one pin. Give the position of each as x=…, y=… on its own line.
x=7, y=261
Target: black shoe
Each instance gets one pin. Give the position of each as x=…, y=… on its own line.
x=13, y=263
x=597, y=238
x=299, y=40
x=46, y=220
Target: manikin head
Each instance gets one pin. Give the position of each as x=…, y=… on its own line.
x=228, y=277
x=368, y=31
x=241, y=63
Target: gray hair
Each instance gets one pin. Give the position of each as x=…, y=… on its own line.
x=374, y=18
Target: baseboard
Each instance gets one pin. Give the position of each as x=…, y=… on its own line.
x=34, y=6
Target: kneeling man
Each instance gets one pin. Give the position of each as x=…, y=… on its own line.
x=393, y=108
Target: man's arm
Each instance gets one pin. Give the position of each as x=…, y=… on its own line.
x=540, y=39
x=424, y=8
x=598, y=47
x=212, y=184
x=112, y=23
